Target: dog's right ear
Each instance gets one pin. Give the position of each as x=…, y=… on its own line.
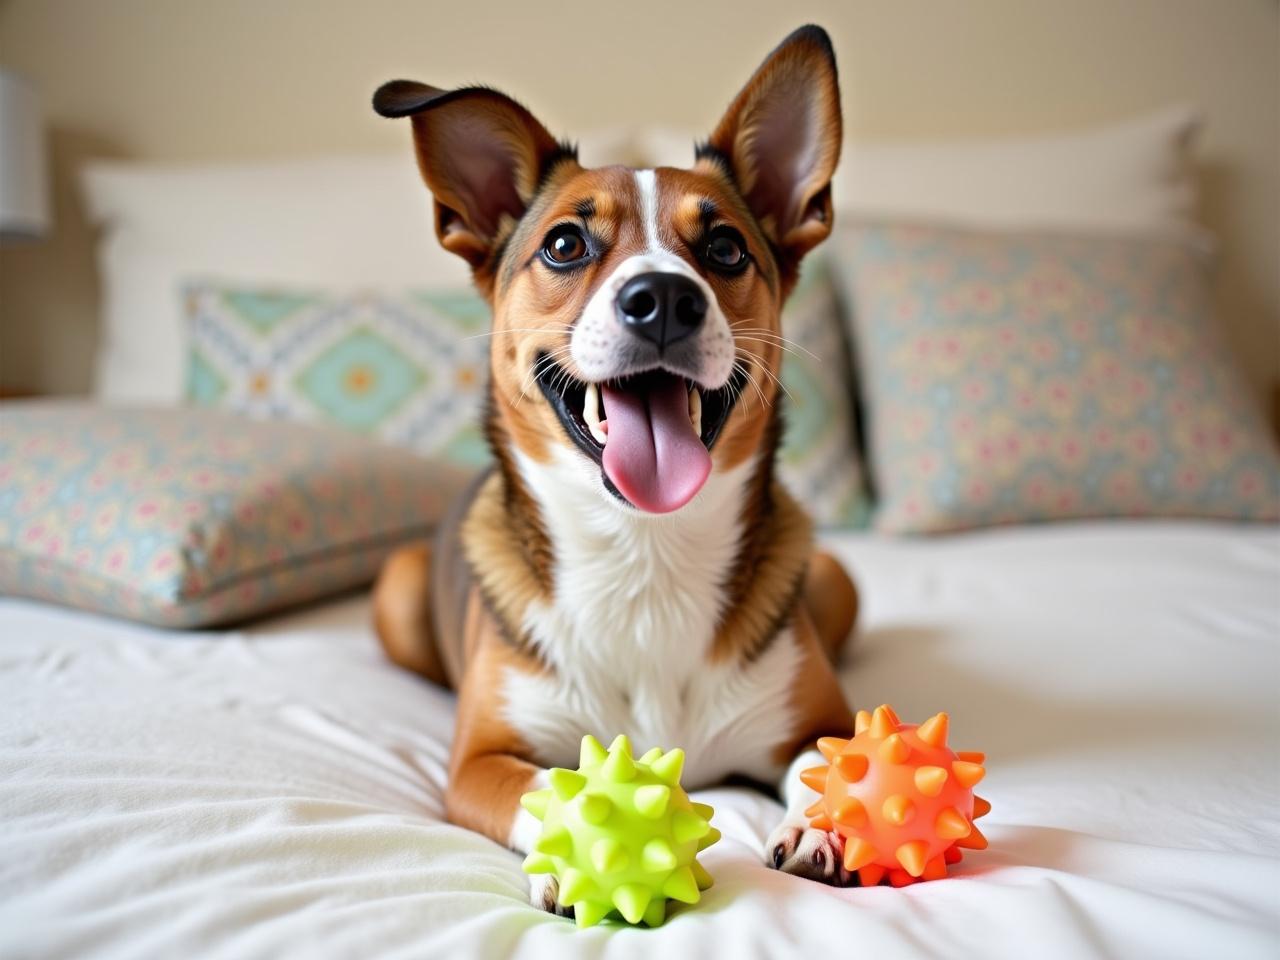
x=482, y=156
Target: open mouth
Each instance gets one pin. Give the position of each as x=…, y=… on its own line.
x=650, y=432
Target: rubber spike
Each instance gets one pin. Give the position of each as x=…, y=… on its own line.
x=658, y=856
x=900, y=878
x=895, y=749
x=588, y=913
x=883, y=723
x=871, y=875
x=830, y=746
x=935, y=869
x=592, y=752
x=682, y=886
x=557, y=843
x=619, y=767
x=632, y=899
x=536, y=802
x=822, y=822
x=972, y=756
x=981, y=807
x=621, y=744
x=815, y=778
x=912, y=856
x=850, y=813
x=575, y=886
x=668, y=766
x=898, y=810
x=566, y=783
x=686, y=826
x=974, y=841
x=595, y=808
x=818, y=809
x=701, y=876
x=656, y=912
x=934, y=730
x=713, y=835
x=861, y=723
x=930, y=780
x=969, y=774
x=951, y=825
x=852, y=767
x=704, y=810
x=650, y=756
x=652, y=800
x=538, y=863
x=608, y=855
x=858, y=853
x=952, y=855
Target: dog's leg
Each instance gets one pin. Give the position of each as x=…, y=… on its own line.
x=402, y=612
x=832, y=601
x=820, y=710
x=489, y=769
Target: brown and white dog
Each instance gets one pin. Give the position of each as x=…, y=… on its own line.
x=631, y=565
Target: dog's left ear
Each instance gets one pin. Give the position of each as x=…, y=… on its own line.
x=781, y=140
x=482, y=156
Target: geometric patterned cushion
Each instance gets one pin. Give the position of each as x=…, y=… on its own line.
x=1014, y=377
x=818, y=458
x=185, y=518
x=410, y=369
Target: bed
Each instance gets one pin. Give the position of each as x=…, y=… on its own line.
x=275, y=791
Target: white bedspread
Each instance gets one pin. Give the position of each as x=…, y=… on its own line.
x=276, y=791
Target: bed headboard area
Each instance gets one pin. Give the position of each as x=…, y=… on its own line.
x=209, y=84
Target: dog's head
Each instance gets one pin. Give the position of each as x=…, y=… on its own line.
x=636, y=312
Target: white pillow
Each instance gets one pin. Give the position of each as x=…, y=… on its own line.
x=1135, y=176
x=336, y=222
x=331, y=224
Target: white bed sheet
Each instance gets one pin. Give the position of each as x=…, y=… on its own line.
x=276, y=791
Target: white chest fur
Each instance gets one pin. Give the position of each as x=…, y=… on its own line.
x=637, y=600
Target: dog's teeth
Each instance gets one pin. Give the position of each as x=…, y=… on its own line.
x=591, y=413
x=695, y=410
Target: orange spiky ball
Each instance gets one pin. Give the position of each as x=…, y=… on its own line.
x=899, y=796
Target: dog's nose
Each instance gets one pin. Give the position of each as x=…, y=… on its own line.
x=661, y=307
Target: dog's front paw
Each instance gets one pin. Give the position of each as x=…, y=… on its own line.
x=805, y=852
x=544, y=893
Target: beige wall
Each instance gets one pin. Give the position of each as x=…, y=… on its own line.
x=198, y=80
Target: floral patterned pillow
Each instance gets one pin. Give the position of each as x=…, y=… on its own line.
x=410, y=369
x=1021, y=377
x=185, y=518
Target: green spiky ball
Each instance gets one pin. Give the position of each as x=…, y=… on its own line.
x=621, y=834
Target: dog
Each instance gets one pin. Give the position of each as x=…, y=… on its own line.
x=631, y=564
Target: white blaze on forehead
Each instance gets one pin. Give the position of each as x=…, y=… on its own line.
x=603, y=349
x=647, y=182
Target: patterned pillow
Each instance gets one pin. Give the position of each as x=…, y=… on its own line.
x=410, y=369
x=1022, y=377
x=184, y=518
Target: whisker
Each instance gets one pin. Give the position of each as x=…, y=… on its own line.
x=558, y=328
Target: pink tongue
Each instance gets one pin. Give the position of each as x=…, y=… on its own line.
x=652, y=455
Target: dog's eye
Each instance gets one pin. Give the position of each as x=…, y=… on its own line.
x=726, y=251
x=564, y=245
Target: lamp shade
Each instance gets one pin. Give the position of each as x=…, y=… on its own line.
x=24, y=188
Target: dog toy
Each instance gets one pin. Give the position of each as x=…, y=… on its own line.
x=621, y=834
x=899, y=796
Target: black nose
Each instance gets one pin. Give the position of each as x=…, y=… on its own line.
x=661, y=307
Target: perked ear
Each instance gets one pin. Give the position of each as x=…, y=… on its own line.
x=781, y=140
x=481, y=154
